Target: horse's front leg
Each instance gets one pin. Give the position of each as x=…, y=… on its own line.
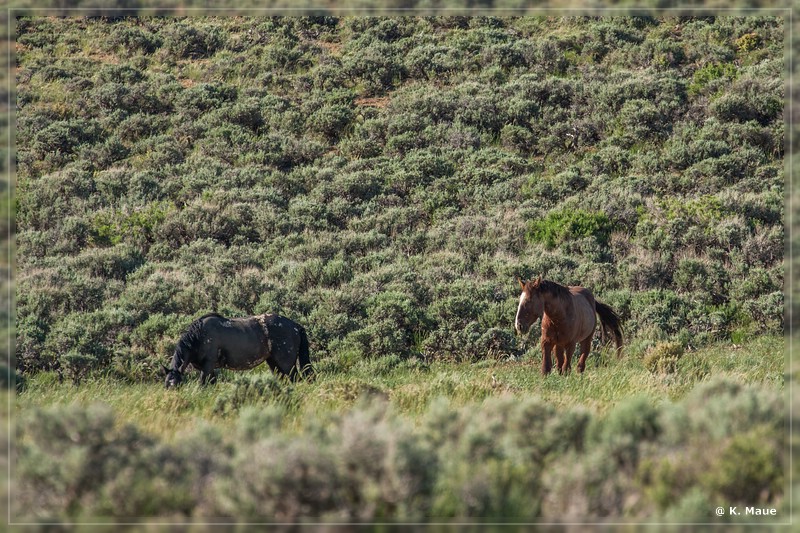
x=568, y=358
x=208, y=374
x=547, y=362
x=560, y=359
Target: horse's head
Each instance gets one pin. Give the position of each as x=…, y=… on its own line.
x=173, y=377
x=530, y=307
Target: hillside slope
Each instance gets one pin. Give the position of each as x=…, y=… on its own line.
x=383, y=180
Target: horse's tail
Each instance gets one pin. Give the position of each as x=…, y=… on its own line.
x=303, y=356
x=187, y=346
x=610, y=321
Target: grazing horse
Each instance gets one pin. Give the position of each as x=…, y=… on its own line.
x=213, y=341
x=568, y=318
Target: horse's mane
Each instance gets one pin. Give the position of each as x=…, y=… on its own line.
x=553, y=288
x=188, y=341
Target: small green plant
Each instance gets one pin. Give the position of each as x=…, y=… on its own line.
x=112, y=227
x=566, y=225
x=663, y=357
x=748, y=42
x=713, y=71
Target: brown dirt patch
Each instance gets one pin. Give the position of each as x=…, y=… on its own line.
x=379, y=102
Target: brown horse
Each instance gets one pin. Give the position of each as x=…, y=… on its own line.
x=568, y=318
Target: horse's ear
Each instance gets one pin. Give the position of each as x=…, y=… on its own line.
x=521, y=283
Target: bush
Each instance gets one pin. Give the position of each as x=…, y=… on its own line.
x=129, y=40
x=77, y=365
x=203, y=97
x=191, y=41
x=65, y=136
x=90, y=334
x=562, y=226
x=746, y=471
x=503, y=457
x=331, y=121
x=663, y=357
x=280, y=479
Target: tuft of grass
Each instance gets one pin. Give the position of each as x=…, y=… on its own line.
x=663, y=357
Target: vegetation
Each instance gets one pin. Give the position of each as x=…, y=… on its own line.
x=382, y=181
x=390, y=439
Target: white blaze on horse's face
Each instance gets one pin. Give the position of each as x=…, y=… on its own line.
x=528, y=312
x=523, y=300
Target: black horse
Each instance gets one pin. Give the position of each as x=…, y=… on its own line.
x=213, y=341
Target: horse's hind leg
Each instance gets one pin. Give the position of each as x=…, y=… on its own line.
x=276, y=369
x=294, y=373
x=586, y=347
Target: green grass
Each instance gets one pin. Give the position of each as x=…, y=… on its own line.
x=411, y=388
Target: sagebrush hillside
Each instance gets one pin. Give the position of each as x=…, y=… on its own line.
x=383, y=180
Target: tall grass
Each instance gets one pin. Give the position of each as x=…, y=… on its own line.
x=410, y=387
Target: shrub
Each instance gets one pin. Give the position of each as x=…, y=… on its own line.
x=658, y=313
x=388, y=469
x=430, y=61
x=746, y=470
x=498, y=343
x=713, y=71
x=641, y=118
x=259, y=422
x=331, y=121
x=65, y=136
x=562, y=226
x=191, y=41
x=768, y=311
x=90, y=334
x=111, y=263
x=138, y=226
x=75, y=463
x=376, y=66
x=663, y=357
x=129, y=40
x=748, y=42
x=77, y=365
x=281, y=479
x=203, y=97
x=140, y=126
